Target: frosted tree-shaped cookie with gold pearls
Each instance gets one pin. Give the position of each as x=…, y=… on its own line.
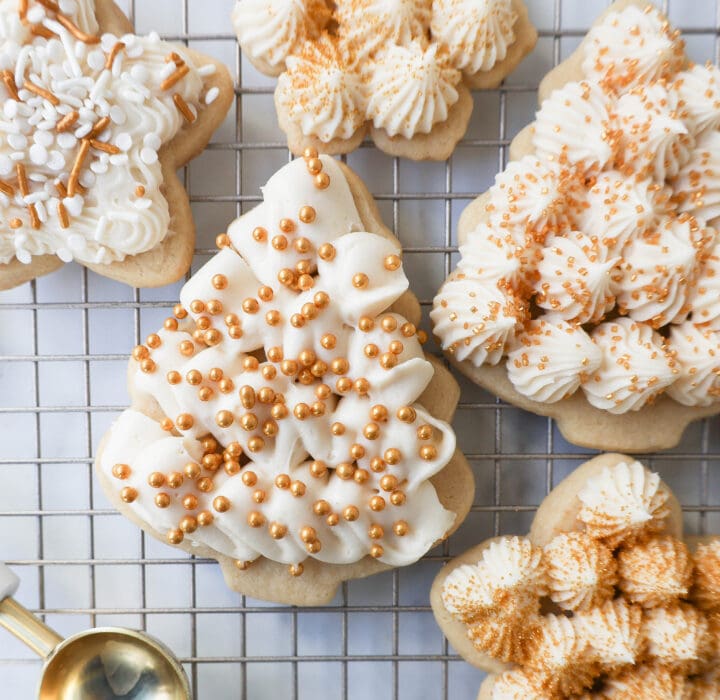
x=285, y=420
x=95, y=122
x=603, y=599
x=588, y=282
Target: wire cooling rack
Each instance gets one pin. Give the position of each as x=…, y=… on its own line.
x=64, y=340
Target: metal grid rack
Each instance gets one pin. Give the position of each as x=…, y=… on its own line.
x=63, y=346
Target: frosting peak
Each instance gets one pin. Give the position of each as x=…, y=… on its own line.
x=706, y=592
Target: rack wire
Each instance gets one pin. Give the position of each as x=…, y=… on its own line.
x=63, y=347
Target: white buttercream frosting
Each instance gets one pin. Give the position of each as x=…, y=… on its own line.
x=635, y=370
x=79, y=166
x=581, y=571
x=697, y=353
x=704, y=297
x=697, y=185
x=677, y=636
x=698, y=90
x=410, y=90
x=551, y=359
x=631, y=47
x=475, y=34
x=623, y=503
x=321, y=93
x=518, y=685
x=491, y=257
x=706, y=592
x=317, y=449
x=648, y=681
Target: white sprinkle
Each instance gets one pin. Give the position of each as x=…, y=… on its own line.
x=83, y=130
x=135, y=50
x=74, y=205
x=41, y=212
x=64, y=254
x=206, y=70
x=18, y=155
x=119, y=159
x=17, y=141
x=47, y=125
x=66, y=140
x=6, y=165
x=37, y=177
x=68, y=7
x=124, y=141
x=148, y=156
x=86, y=114
x=152, y=140
x=23, y=256
x=10, y=109
x=96, y=60
x=35, y=197
x=35, y=14
x=38, y=154
x=56, y=161
x=167, y=70
x=107, y=41
x=44, y=138
x=212, y=95
x=117, y=114
x=87, y=178
x=139, y=73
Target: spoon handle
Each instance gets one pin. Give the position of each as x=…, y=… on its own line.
x=20, y=621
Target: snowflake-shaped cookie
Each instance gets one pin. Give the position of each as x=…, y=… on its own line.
x=282, y=415
x=94, y=121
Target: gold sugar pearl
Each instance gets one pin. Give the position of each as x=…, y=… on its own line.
x=242, y=565
x=234, y=450
x=401, y=528
x=211, y=462
x=250, y=305
x=209, y=443
x=377, y=464
x=303, y=267
x=184, y=421
x=362, y=386
x=301, y=411
x=282, y=481
x=286, y=276
x=162, y=500
x=302, y=245
x=251, y=364
x=259, y=496
x=170, y=324
x=192, y=470
x=392, y=262
x=422, y=337
x=147, y=366
x=379, y=413
x=188, y=524
x=128, y=494
x=153, y=341
x=205, y=393
x=205, y=484
x=224, y=419
x=156, y=479
x=388, y=483
x=371, y=350
x=360, y=280
x=313, y=547
x=428, y=452
x=259, y=234
x=279, y=411
x=272, y=317
x=337, y=429
x=221, y=504
x=214, y=307
x=307, y=215
x=397, y=498
x=215, y=374
x=332, y=520
x=287, y=225
x=339, y=365
x=376, y=551
x=289, y=367
x=322, y=391
x=198, y=336
x=326, y=251
x=310, y=152
x=296, y=569
x=351, y=513
x=377, y=503
x=203, y=323
x=305, y=376
x=388, y=360
x=314, y=165
x=255, y=519
x=306, y=358
x=256, y=444
x=305, y=282
x=343, y=385
x=186, y=348
x=406, y=414
x=226, y=385
x=319, y=369
x=375, y=532
x=424, y=432
x=371, y=431
x=318, y=408
x=249, y=422
x=297, y=320
x=190, y=502
x=322, y=181
x=318, y=469
x=269, y=372
x=222, y=240
x=396, y=347
x=197, y=306
x=179, y=311
x=266, y=293
x=321, y=299
x=279, y=242
x=266, y=394
x=310, y=311
x=219, y=281
x=389, y=324
x=357, y=451
x=321, y=508
x=277, y=530
x=205, y=518
x=366, y=324
x=249, y=478
x=175, y=536
x=308, y=534
x=270, y=428
x=360, y=476
x=212, y=337
x=167, y=424
x=121, y=471
x=140, y=352
x=408, y=329
x=392, y=456
x=297, y=489
x=345, y=470
x=328, y=341
x=175, y=480
x=194, y=377
x=275, y=354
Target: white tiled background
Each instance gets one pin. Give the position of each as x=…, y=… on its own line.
x=63, y=346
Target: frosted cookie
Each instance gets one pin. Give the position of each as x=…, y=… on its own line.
x=588, y=283
x=398, y=70
x=603, y=598
x=285, y=420
x=95, y=122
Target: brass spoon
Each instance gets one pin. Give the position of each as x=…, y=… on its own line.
x=98, y=664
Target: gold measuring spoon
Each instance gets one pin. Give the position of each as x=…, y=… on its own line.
x=98, y=664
